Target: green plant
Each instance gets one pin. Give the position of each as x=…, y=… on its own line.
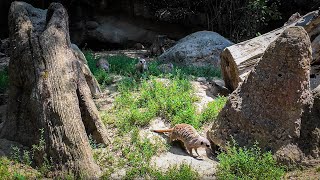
x=248, y=163
x=26, y=157
x=212, y=110
x=4, y=169
x=183, y=171
x=169, y=98
x=15, y=154
x=18, y=176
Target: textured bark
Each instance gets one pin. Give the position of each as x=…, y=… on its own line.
x=48, y=90
x=238, y=60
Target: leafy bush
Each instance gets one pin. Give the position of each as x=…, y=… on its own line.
x=244, y=163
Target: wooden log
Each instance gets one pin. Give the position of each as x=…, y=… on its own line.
x=239, y=59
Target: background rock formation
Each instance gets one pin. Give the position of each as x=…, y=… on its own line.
x=269, y=105
x=173, y=18
x=199, y=49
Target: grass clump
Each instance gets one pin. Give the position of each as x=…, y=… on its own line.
x=13, y=170
x=212, y=110
x=248, y=163
x=4, y=168
x=171, y=99
x=184, y=171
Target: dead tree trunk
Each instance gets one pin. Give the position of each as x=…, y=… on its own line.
x=48, y=90
x=239, y=59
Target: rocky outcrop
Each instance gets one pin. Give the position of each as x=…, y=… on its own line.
x=114, y=31
x=270, y=104
x=200, y=49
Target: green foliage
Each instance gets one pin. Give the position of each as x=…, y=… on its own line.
x=9, y=170
x=136, y=154
x=172, y=99
x=203, y=71
x=244, y=163
x=4, y=80
x=212, y=110
x=4, y=169
x=176, y=173
x=27, y=157
x=18, y=176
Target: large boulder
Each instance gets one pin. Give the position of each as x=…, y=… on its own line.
x=269, y=105
x=310, y=128
x=199, y=49
x=116, y=31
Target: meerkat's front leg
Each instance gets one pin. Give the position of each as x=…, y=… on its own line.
x=196, y=150
x=190, y=152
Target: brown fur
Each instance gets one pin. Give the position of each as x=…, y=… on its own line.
x=141, y=66
x=188, y=135
x=103, y=64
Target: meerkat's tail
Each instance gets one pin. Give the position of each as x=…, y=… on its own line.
x=163, y=130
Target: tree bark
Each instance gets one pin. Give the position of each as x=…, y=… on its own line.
x=48, y=90
x=239, y=59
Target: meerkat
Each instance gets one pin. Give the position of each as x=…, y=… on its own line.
x=166, y=68
x=141, y=66
x=103, y=64
x=189, y=136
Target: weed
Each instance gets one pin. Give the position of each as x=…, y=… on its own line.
x=26, y=157
x=212, y=110
x=248, y=163
x=15, y=154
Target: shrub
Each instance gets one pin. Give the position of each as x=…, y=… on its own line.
x=248, y=163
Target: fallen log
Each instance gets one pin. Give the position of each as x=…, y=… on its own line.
x=239, y=59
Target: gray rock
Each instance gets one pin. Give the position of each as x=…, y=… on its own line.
x=114, y=30
x=217, y=88
x=91, y=25
x=201, y=48
x=268, y=106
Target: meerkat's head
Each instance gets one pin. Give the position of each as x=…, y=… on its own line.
x=203, y=142
x=143, y=63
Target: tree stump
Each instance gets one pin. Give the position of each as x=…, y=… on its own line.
x=48, y=91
